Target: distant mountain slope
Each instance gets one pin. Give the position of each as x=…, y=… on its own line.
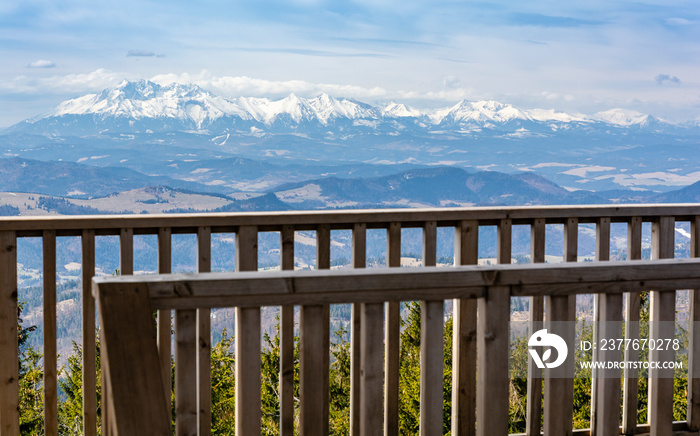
x=689, y=194
x=69, y=179
x=441, y=186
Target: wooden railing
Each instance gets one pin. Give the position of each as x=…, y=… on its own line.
x=130, y=348
x=193, y=351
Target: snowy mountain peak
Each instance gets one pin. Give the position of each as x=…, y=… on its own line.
x=479, y=112
x=400, y=110
x=146, y=106
x=622, y=117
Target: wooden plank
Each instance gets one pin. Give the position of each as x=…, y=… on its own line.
x=504, y=235
x=602, y=253
x=50, y=356
x=136, y=396
x=9, y=359
x=630, y=376
x=559, y=382
x=163, y=320
x=430, y=243
x=662, y=312
x=323, y=262
x=534, y=374
x=693, y=415
x=287, y=340
x=186, y=372
x=359, y=255
x=88, y=330
x=493, y=379
x=204, y=339
x=372, y=356
x=247, y=341
x=464, y=337
x=392, y=325
x=431, y=355
x=431, y=364
x=308, y=220
x=343, y=286
x=605, y=401
x=313, y=419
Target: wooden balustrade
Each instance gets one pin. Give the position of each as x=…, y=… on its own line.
x=375, y=297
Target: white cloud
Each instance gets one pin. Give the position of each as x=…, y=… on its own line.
x=41, y=63
x=67, y=84
x=246, y=86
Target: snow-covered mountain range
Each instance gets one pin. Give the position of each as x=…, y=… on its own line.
x=144, y=106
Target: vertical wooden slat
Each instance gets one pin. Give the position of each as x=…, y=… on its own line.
x=605, y=411
x=392, y=321
x=662, y=313
x=126, y=251
x=313, y=415
x=50, y=358
x=287, y=340
x=632, y=305
x=430, y=243
x=431, y=344
x=534, y=374
x=204, y=339
x=9, y=359
x=136, y=396
x=247, y=341
x=371, y=389
x=559, y=383
x=323, y=261
x=359, y=255
x=493, y=346
x=164, y=323
x=693, y=415
x=88, y=331
x=464, y=337
x=431, y=363
x=492, y=365
x=186, y=372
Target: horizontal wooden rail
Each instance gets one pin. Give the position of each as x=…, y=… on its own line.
x=341, y=219
x=189, y=291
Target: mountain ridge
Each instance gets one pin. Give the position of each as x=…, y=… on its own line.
x=149, y=106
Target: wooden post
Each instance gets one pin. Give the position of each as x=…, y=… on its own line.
x=493, y=379
x=632, y=306
x=371, y=389
x=431, y=346
x=313, y=417
x=693, y=415
x=662, y=313
x=247, y=341
x=392, y=321
x=50, y=356
x=89, y=341
x=359, y=260
x=464, y=337
x=204, y=339
x=164, y=323
x=323, y=261
x=287, y=340
x=136, y=402
x=534, y=374
x=605, y=413
x=9, y=357
x=559, y=382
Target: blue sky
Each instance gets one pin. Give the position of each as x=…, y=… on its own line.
x=571, y=56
